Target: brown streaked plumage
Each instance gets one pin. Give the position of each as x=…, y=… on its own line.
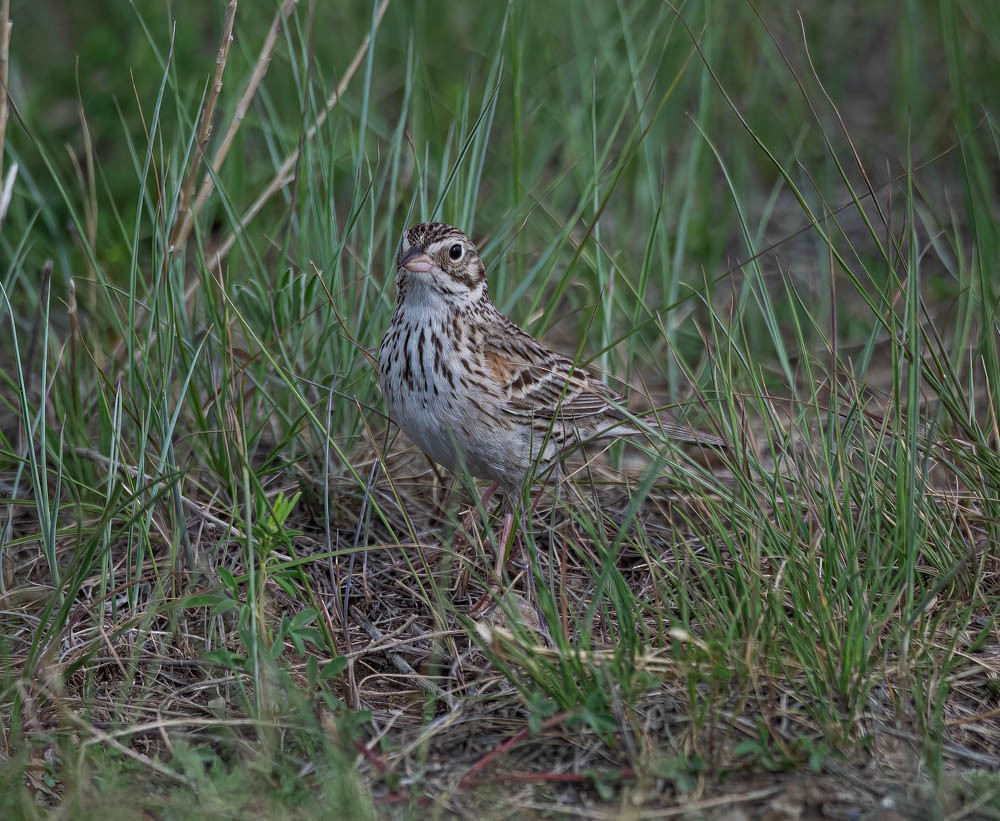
x=469, y=387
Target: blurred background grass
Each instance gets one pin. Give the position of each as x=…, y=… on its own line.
x=793, y=205
x=580, y=83
x=885, y=64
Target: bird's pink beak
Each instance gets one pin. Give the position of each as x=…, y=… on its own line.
x=416, y=261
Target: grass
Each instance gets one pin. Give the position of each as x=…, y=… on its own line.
x=229, y=586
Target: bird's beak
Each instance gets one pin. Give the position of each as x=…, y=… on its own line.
x=416, y=261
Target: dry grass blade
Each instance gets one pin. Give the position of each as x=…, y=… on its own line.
x=505, y=644
x=284, y=174
x=260, y=69
x=5, y=28
x=185, y=214
x=8, y=181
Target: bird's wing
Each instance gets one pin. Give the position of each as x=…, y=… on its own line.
x=539, y=382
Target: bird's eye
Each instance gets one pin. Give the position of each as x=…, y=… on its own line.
x=455, y=252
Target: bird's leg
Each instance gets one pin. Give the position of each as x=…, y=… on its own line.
x=468, y=518
x=508, y=525
x=504, y=553
x=488, y=494
x=530, y=582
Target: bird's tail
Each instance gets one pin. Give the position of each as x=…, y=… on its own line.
x=660, y=423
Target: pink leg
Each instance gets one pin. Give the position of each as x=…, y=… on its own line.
x=508, y=525
x=502, y=557
x=488, y=494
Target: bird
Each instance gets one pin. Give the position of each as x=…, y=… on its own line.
x=473, y=390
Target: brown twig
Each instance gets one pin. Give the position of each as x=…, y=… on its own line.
x=284, y=174
x=185, y=214
x=282, y=177
x=561, y=778
x=471, y=776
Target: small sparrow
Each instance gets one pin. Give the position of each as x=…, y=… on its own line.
x=471, y=389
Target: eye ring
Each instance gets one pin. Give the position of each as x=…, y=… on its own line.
x=456, y=251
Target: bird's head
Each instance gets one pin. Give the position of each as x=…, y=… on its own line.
x=436, y=260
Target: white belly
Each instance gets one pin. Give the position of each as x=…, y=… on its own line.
x=444, y=412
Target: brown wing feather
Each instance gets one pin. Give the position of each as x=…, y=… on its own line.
x=541, y=383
